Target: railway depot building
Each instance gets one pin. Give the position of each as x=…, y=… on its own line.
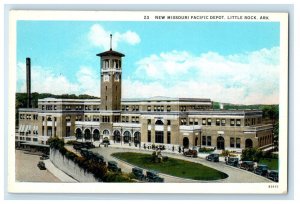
x=185, y=122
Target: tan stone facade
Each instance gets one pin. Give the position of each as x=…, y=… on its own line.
x=187, y=122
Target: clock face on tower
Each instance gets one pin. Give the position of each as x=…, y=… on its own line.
x=117, y=77
x=106, y=77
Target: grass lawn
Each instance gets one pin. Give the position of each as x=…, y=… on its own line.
x=174, y=167
x=272, y=163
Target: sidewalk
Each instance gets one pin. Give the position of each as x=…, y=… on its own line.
x=58, y=173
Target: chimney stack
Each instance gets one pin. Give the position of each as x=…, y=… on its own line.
x=28, y=81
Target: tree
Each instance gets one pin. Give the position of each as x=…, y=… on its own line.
x=251, y=154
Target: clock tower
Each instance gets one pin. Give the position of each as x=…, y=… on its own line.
x=111, y=82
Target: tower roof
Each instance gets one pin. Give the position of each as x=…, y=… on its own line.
x=110, y=53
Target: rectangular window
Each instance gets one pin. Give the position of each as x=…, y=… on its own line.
x=218, y=122
x=127, y=119
x=137, y=108
x=149, y=121
x=133, y=119
x=123, y=119
x=68, y=118
x=162, y=108
x=35, y=139
x=238, y=142
x=191, y=121
x=149, y=135
x=208, y=121
x=55, y=107
x=68, y=131
x=127, y=108
x=168, y=108
x=204, y=121
x=208, y=140
x=154, y=108
x=169, y=122
x=159, y=137
x=123, y=108
x=168, y=137
x=149, y=108
x=43, y=107
x=196, y=122
x=238, y=122
x=137, y=119
x=232, y=142
x=223, y=122
x=232, y=122
x=49, y=131
x=204, y=140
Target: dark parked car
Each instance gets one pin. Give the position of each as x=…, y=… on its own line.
x=113, y=166
x=261, y=169
x=77, y=146
x=44, y=157
x=98, y=158
x=191, y=153
x=152, y=176
x=213, y=157
x=273, y=175
x=233, y=161
x=41, y=165
x=138, y=173
x=247, y=165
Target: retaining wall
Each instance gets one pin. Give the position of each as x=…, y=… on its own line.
x=70, y=168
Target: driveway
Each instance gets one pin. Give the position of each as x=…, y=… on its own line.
x=235, y=175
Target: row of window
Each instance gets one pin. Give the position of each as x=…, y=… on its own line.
x=134, y=119
x=235, y=142
x=133, y=108
x=27, y=139
x=28, y=116
x=111, y=63
x=158, y=108
x=208, y=121
x=158, y=122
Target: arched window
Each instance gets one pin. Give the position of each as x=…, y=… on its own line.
x=105, y=132
x=127, y=137
x=159, y=122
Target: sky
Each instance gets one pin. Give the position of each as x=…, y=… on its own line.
x=230, y=62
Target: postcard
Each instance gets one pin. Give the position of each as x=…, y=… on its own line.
x=135, y=102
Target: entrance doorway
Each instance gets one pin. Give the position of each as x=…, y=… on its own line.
x=186, y=142
x=220, y=143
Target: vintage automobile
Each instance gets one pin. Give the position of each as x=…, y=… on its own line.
x=191, y=153
x=44, y=157
x=113, y=166
x=41, y=165
x=77, y=146
x=273, y=175
x=138, y=173
x=261, y=169
x=233, y=161
x=152, y=176
x=98, y=158
x=213, y=157
x=247, y=165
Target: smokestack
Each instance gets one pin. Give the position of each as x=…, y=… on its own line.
x=28, y=81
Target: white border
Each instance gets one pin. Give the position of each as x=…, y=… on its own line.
x=226, y=188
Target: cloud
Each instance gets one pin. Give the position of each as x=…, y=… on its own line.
x=44, y=80
x=98, y=36
x=245, y=78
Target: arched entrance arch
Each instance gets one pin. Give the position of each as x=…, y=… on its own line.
x=220, y=143
x=137, y=137
x=248, y=143
x=186, y=142
x=127, y=136
x=78, y=134
x=87, y=134
x=96, y=135
x=117, y=136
